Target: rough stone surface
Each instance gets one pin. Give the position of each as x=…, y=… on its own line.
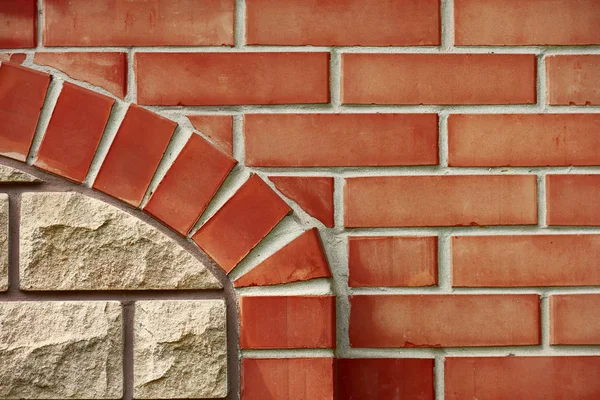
x=180, y=349
x=61, y=350
x=73, y=242
x=13, y=175
x=3, y=242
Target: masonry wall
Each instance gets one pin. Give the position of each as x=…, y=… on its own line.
x=446, y=151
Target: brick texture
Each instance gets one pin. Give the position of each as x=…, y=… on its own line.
x=18, y=19
x=574, y=319
x=573, y=199
x=573, y=80
x=438, y=79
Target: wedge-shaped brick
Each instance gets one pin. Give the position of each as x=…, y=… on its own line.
x=134, y=155
x=300, y=260
x=440, y=200
x=241, y=223
x=76, y=126
x=190, y=184
x=392, y=261
x=133, y=23
x=288, y=378
x=438, y=79
x=313, y=194
x=202, y=79
x=22, y=94
x=287, y=322
x=61, y=350
x=535, y=378
x=385, y=378
x=574, y=319
x=218, y=128
x=525, y=260
x=445, y=320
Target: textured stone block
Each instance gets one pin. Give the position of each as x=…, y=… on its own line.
x=13, y=175
x=73, y=242
x=180, y=349
x=3, y=242
x=61, y=350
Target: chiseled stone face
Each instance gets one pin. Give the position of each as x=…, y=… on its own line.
x=12, y=175
x=61, y=350
x=73, y=242
x=180, y=349
x=3, y=242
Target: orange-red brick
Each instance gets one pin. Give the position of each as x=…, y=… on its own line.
x=384, y=321
x=388, y=201
x=343, y=23
x=18, y=21
x=573, y=79
x=525, y=260
x=311, y=140
x=574, y=319
x=526, y=22
x=493, y=140
x=438, y=79
x=203, y=79
x=573, y=199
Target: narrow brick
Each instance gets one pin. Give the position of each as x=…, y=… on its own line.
x=190, y=184
x=574, y=319
x=134, y=23
x=18, y=22
x=107, y=70
x=218, y=128
x=287, y=322
x=525, y=260
x=573, y=79
x=458, y=200
x=22, y=95
x=245, y=219
x=495, y=378
x=494, y=140
x=384, y=321
x=332, y=140
x=385, y=378
x=201, y=79
x=392, y=261
x=526, y=23
x=343, y=23
x=438, y=79
x=573, y=200
x=288, y=378
x=74, y=131
x=134, y=155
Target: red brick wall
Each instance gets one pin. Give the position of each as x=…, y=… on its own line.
x=448, y=152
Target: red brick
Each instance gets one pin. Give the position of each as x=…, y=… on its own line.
x=534, y=378
x=525, y=260
x=523, y=23
x=573, y=80
x=300, y=260
x=74, y=132
x=202, y=79
x=493, y=140
x=384, y=378
x=190, y=184
x=241, y=223
x=330, y=140
x=134, y=155
x=573, y=199
x=388, y=201
x=313, y=194
x=287, y=322
x=446, y=320
x=18, y=19
x=15, y=58
x=22, y=94
x=287, y=378
x=105, y=70
x=134, y=23
x=343, y=23
x=574, y=319
x=218, y=128
x=438, y=79
x=392, y=261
